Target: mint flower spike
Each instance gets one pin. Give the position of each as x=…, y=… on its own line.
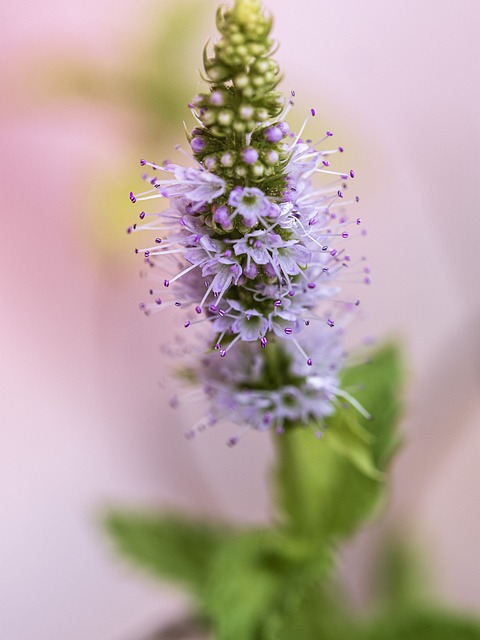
x=253, y=244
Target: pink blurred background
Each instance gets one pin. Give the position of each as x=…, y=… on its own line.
x=84, y=415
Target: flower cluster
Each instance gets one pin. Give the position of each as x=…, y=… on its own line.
x=250, y=243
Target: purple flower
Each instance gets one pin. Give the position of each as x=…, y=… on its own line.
x=236, y=390
x=251, y=203
x=196, y=186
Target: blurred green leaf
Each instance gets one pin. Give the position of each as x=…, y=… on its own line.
x=401, y=578
x=255, y=578
x=316, y=613
x=424, y=625
x=155, y=76
x=169, y=546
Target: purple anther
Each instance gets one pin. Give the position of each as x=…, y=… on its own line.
x=142, y=306
x=134, y=226
x=293, y=93
x=198, y=309
x=359, y=221
x=333, y=252
x=325, y=269
x=129, y=229
x=288, y=331
x=352, y=173
x=341, y=149
x=309, y=362
x=344, y=234
x=325, y=163
x=187, y=324
x=312, y=221
x=279, y=430
x=158, y=301
x=311, y=285
x=263, y=342
x=267, y=418
x=166, y=283
x=357, y=199
x=347, y=258
x=291, y=293
x=330, y=322
x=212, y=308
x=313, y=112
x=329, y=134
x=324, y=248
x=147, y=253
x=339, y=194
x=221, y=312
x=367, y=280
x=143, y=163
x=132, y=197
x=277, y=303
x=357, y=303
x=178, y=303
x=223, y=353
x=307, y=323
x=136, y=250
x=158, y=240
x=232, y=441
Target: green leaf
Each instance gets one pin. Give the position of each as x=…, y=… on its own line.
x=401, y=577
x=253, y=578
x=424, y=625
x=324, y=490
x=348, y=438
x=315, y=614
x=376, y=385
x=327, y=487
x=169, y=546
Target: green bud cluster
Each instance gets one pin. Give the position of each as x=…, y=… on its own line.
x=232, y=138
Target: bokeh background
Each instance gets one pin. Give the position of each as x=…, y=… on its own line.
x=88, y=89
